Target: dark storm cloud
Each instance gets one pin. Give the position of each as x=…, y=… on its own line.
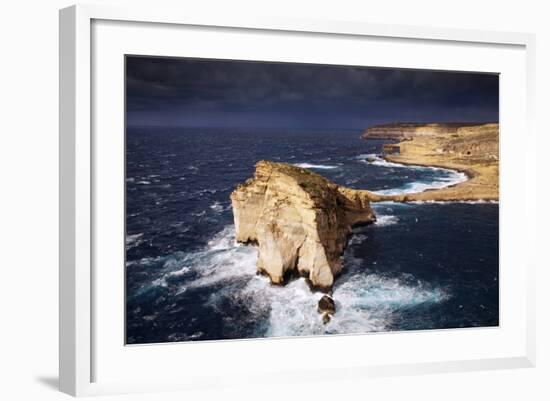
x=194, y=92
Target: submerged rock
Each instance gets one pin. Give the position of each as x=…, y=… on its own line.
x=299, y=220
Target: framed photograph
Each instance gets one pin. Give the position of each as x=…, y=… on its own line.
x=278, y=199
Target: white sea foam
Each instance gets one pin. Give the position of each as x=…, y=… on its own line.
x=449, y=177
x=202, y=192
x=224, y=240
x=386, y=220
x=185, y=337
x=376, y=160
x=453, y=178
x=219, y=207
x=368, y=302
x=357, y=239
x=365, y=301
x=222, y=260
x=132, y=239
x=163, y=280
x=316, y=166
x=147, y=261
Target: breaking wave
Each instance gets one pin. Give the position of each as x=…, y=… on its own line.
x=220, y=207
x=454, y=178
x=386, y=220
x=365, y=301
x=376, y=160
x=445, y=178
x=316, y=166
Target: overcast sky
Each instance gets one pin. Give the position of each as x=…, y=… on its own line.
x=214, y=93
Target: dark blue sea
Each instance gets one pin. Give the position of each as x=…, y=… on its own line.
x=421, y=266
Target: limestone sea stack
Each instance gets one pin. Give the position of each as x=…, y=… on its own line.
x=299, y=220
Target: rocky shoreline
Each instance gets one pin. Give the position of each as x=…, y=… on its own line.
x=301, y=221
x=471, y=149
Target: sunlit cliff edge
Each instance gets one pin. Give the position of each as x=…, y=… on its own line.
x=470, y=148
x=299, y=220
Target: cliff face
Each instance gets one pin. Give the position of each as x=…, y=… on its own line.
x=299, y=220
x=467, y=145
x=401, y=131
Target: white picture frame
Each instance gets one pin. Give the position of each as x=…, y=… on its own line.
x=78, y=162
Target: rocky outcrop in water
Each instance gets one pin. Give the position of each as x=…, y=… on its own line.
x=299, y=220
x=326, y=307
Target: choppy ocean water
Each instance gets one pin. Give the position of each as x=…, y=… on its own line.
x=421, y=266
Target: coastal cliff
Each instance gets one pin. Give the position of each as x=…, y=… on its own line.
x=401, y=131
x=299, y=220
x=470, y=148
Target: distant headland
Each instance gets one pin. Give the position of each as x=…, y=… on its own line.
x=470, y=148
